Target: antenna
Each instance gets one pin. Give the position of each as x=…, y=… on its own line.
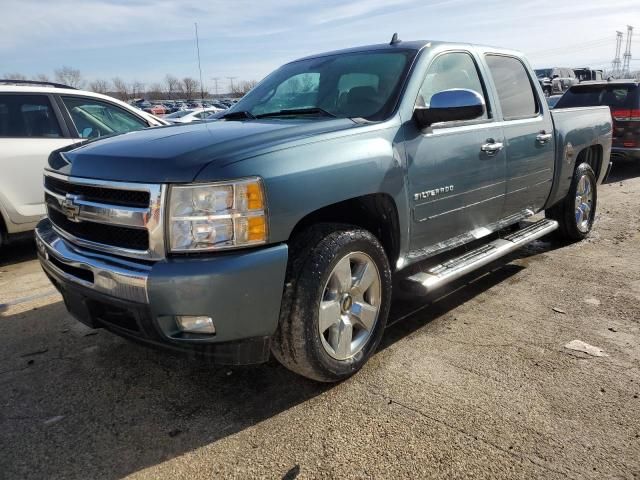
x=394, y=39
x=199, y=68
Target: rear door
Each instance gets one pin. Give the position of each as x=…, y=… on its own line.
x=456, y=169
x=31, y=127
x=528, y=131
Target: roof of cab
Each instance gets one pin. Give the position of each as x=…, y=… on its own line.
x=406, y=45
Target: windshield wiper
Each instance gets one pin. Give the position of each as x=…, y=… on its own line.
x=240, y=115
x=297, y=111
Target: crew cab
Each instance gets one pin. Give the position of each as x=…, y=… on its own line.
x=37, y=118
x=276, y=230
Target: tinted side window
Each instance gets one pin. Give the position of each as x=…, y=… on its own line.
x=94, y=118
x=27, y=116
x=451, y=70
x=612, y=95
x=514, y=87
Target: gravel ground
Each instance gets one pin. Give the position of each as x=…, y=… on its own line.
x=476, y=383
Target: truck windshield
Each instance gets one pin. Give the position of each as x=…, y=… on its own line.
x=348, y=85
x=612, y=95
x=544, y=73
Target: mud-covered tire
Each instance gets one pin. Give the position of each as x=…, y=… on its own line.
x=313, y=257
x=574, y=226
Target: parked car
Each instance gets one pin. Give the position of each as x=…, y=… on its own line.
x=36, y=118
x=188, y=116
x=587, y=74
x=157, y=109
x=556, y=80
x=277, y=228
x=142, y=104
x=623, y=99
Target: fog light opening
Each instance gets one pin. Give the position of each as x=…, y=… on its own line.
x=196, y=324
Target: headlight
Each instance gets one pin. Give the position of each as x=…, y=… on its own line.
x=217, y=216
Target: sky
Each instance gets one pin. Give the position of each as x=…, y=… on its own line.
x=143, y=40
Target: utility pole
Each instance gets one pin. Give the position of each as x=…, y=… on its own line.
x=615, y=65
x=626, y=64
x=215, y=83
x=231, y=79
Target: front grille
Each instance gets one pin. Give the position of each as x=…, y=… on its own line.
x=122, y=237
x=129, y=198
x=119, y=218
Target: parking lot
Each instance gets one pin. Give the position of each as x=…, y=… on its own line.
x=475, y=383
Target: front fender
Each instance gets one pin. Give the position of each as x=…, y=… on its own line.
x=302, y=179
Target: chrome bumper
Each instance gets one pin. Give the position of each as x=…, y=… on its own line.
x=120, y=279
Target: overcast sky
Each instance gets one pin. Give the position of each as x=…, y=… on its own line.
x=145, y=39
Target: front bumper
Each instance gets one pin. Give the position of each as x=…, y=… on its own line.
x=240, y=291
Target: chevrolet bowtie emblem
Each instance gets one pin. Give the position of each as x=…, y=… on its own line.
x=69, y=208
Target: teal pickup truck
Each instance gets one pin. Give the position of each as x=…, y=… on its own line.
x=278, y=228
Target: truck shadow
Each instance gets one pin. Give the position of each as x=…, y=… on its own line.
x=109, y=408
x=17, y=252
x=624, y=170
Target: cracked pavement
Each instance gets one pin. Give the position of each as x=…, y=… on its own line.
x=475, y=382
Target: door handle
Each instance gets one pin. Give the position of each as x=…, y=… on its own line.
x=543, y=137
x=492, y=147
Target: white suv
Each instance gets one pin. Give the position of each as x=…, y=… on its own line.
x=36, y=118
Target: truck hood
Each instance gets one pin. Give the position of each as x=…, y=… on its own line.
x=177, y=153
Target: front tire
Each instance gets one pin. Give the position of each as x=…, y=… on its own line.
x=335, y=304
x=576, y=212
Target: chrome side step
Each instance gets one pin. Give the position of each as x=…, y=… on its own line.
x=423, y=283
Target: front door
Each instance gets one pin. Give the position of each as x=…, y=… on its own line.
x=456, y=170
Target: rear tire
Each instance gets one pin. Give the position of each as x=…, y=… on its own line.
x=576, y=212
x=335, y=303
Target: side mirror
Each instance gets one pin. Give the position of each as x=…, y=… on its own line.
x=454, y=105
x=556, y=76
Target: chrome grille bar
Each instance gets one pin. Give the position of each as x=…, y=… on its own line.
x=92, y=213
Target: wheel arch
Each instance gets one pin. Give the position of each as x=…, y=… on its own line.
x=593, y=156
x=377, y=213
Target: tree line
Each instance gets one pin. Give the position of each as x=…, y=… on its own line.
x=170, y=88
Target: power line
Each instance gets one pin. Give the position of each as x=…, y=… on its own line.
x=576, y=46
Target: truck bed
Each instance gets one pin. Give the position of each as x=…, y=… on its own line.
x=577, y=129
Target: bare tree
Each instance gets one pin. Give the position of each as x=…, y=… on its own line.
x=41, y=77
x=137, y=89
x=174, y=86
x=14, y=76
x=241, y=88
x=69, y=76
x=190, y=86
x=121, y=89
x=99, y=86
x=154, y=92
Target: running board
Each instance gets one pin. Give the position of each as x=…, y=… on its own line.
x=423, y=283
